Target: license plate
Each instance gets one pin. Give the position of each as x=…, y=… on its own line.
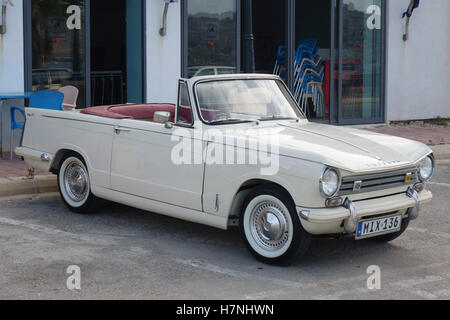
x=378, y=226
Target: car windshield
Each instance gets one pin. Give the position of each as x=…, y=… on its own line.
x=226, y=101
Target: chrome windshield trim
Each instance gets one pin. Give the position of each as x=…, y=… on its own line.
x=290, y=97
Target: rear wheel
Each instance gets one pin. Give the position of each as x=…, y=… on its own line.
x=271, y=228
x=74, y=185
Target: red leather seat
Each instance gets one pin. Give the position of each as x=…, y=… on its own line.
x=144, y=112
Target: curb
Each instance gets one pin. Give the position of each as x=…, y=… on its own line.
x=23, y=186
x=441, y=152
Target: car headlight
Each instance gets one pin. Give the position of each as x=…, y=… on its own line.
x=329, y=183
x=426, y=169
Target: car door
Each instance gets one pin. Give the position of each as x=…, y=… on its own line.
x=143, y=161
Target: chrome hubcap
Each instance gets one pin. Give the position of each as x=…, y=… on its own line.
x=269, y=226
x=76, y=182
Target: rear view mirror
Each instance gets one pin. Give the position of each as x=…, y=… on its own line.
x=161, y=117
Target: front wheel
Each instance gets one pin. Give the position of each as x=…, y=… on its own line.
x=74, y=185
x=271, y=227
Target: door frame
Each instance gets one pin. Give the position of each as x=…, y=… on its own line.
x=28, y=58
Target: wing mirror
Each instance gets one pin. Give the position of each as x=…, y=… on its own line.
x=161, y=117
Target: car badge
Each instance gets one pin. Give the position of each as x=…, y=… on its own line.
x=357, y=186
x=408, y=178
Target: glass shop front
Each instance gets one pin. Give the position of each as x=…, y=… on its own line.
x=329, y=52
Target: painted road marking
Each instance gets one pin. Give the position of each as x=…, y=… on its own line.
x=433, y=233
x=238, y=274
x=55, y=232
x=408, y=285
x=442, y=184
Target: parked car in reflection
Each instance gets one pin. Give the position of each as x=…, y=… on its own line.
x=50, y=78
x=209, y=71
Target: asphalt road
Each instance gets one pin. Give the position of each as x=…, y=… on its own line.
x=125, y=253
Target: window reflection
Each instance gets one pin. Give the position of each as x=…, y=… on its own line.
x=361, y=75
x=212, y=37
x=58, y=45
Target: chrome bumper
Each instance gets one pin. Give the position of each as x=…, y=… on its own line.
x=351, y=224
x=345, y=219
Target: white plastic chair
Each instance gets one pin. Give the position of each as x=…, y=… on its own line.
x=70, y=97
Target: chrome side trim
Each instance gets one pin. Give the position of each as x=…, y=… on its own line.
x=217, y=203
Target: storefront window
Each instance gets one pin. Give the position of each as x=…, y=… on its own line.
x=270, y=38
x=212, y=37
x=362, y=57
x=58, y=45
x=329, y=52
x=313, y=60
x=59, y=50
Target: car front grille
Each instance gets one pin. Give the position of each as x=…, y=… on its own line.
x=379, y=181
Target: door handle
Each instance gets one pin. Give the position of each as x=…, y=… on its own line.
x=118, y=130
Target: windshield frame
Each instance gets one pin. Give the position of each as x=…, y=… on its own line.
x=289, y=97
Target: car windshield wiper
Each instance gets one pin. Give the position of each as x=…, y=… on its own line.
x=274, y=117
x=231, y=120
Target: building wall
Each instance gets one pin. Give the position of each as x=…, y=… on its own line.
x=418, y=81
x=11, y=50
x=11, y=67
x=163, y=53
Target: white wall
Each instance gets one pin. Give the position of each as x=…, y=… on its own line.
x=418, y=77
x=11, y=50
x=11, y=67
x=163, y=53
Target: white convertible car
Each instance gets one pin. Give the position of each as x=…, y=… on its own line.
x=234, y=151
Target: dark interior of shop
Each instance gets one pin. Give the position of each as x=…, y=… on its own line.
x=312, y=21
x=108, y=52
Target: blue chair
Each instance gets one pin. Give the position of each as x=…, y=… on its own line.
x=46, y=99
x=15, y=125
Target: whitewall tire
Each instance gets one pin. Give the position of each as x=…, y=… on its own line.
x=271, y=228
x=75, y=185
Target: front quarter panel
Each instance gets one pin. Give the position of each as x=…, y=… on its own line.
x=298, y=177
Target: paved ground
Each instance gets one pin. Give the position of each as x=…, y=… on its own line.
x=15, y=168
x=428, y=134
x=124, y=253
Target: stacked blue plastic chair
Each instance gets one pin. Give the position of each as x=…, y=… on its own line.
x=280, y=64
x=309, y=74
x=15, y=125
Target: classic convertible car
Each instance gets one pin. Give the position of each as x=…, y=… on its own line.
x=203, y=160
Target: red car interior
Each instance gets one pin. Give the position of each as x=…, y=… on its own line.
x=146, y=112
x=143, y=112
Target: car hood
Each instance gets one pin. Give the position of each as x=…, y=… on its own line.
x=345, y=148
